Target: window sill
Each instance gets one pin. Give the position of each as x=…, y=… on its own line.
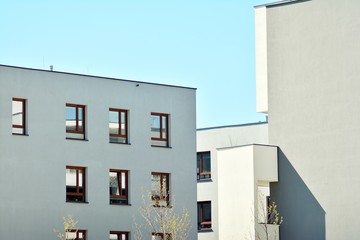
x=119, y=204
x=157, y=146
x=204, y=180
x=19, y=134
x=77, y=202
x=120, y=143
x=205, y=230
x=76, y=139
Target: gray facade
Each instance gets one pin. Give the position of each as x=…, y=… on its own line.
x=313, y=107
x=33, y=166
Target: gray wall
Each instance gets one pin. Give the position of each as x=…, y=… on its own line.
x=313, y=73
x=32, y=168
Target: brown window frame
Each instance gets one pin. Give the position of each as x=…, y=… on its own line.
x=119, y=233
x=23, y=126
x=201, y=221
x=77, y=231
x=78, y=193
x=161, y=138
x=201, y=175
x=126, y=135
x=157, y=234
x=167, y=190
x=121, y=196
x=77, y=131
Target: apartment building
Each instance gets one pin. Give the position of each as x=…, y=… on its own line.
x=308, y=84
x=235, y=166
x=91, y=147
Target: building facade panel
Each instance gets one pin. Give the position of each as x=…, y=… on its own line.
x=312, y=53
x=211, y=140
x=33, y=167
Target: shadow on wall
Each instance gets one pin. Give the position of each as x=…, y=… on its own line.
x=304, y=218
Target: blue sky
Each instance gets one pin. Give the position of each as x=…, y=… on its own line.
x=206, y=44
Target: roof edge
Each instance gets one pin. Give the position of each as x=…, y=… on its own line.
x=95, y=76
x=229, y=126
x=248, y=145
x=280, y=3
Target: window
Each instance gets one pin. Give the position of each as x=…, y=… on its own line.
x=160, y=236
x=76, y=234
x=75, y=121
x=118, y=184
x=160, y=129
x=160, y=188
x=114, y=235
x=118, y=125
x=75, y=184
x=204, y=215
x=203, y=166
x=19, y=116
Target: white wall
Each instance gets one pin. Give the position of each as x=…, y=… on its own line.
x=210, y=139
x=313, y=86
x=241, y=170
x=236, y=193
x=32, y=168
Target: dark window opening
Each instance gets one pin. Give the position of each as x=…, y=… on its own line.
x=204, y=215
x=203, y=166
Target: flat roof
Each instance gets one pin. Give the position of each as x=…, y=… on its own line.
x=230, y=126
x=94, y=76
x=280, y=3
x=246, y=145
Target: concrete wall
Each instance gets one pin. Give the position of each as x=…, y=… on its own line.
x=32, y=168
x=211, y=139
x=237, y=193
x=244, y=174
x=313, y=76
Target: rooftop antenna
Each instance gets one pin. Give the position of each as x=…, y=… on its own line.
x=51, y=67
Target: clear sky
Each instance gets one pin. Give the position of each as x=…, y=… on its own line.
x=206, y=44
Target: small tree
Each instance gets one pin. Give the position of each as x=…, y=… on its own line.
x=267, y=216
x=69, y=226
x=162, y=219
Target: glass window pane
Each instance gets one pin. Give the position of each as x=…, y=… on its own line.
x=206, y=162
x=164, y=186
x=113, y=236
x=155, y=126
x=123, y=183
x=80, y=118
x=70, y=180
x=18, y=130
x=17, y=112
x=80, y=113
x=164, y=127
x=70, y=118
x=71, y=235
x=123, y=123
x=81, y=177
x=114, y=122
x=198, y=162
x=207, y=212
x=155, y=185
x=114, y=185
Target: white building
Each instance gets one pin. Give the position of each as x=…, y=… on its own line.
x=308, y=83
x=91, y=147
x=235, y=166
